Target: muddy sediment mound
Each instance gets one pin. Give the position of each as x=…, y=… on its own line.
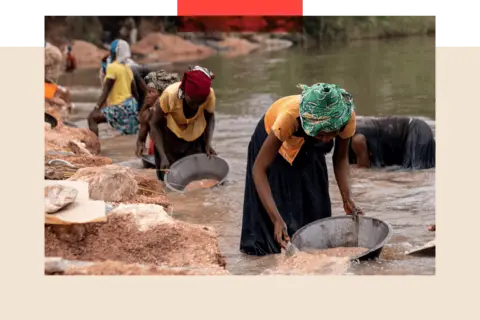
x=62, y=171
x=169, y=48
x=60, y=139
x=108, y=183
x=57, y=108
x=237, y=47
x=117, y=184
x=141, y=234
x=309, y=263
x=87, y=54
x=111, y=268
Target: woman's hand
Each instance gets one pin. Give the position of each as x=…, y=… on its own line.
x=164, y=163
x=280, y=233
x=140, y=148
x=349, y=206
x=210, y=152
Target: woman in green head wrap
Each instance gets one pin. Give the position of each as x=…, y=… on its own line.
x=286, y=184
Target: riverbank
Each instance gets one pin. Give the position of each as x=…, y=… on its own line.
x=161, y=42
x=169, y=48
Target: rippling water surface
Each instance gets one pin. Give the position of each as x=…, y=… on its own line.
x=385, y=77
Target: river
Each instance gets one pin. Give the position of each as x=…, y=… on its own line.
x=394, y=77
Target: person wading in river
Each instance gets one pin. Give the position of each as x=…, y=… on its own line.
x=139, y=71
x=183, y=120
x=156, y=82
x=286, y=183
x=117, y=104
x=393, y=141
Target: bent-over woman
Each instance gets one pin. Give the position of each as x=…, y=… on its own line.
x=286, y=183
x=183, y=121
x=117, y=105
x=393, y=141
x=157, y=82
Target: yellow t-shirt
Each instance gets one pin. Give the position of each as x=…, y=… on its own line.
x=186, y=129
x=282, y=116
x=123, y=76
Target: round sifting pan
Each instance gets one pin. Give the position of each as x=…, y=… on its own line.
x=196, y=167
x=51, y=120
x=339, y=231
x=148, y=161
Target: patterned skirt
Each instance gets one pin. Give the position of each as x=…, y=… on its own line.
x=123, y=117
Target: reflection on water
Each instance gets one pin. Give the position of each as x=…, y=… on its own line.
x=386, y=78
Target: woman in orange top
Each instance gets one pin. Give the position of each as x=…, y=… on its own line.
x=286, y=183
x=183, y=119
x=55, y=94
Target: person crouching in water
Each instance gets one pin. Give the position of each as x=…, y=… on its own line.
x=157, y=82
x=286, y=185
x=393, y=141
x=117, y=105
x=183, y=119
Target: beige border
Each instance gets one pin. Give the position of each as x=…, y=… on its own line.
x=29, y=295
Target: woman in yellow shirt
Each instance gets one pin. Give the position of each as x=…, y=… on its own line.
x=117, y=104
x=183, y=119
x=286, y=183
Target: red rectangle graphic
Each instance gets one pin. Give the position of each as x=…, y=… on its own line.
x=243, y=7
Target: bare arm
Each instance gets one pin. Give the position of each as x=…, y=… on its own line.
x=107, y=87
x=359, y=146
x=265, y=157
x=341, y=167
x=145, y=117
x=133, y=87
x=157, y=120
x=210, y=117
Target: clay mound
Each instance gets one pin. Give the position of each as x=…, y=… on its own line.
x=112, y=268
x=169, y=48
x=117, y=184
x=59, y=171
x=80, y=161
x=146, y=235
x=109, y=183
x=87, y=54
x=58, y=108
x=60, y=139
x=237, y=47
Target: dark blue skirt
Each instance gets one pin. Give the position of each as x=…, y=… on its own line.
x=300, y=192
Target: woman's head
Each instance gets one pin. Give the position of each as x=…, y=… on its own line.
x=53, y=63
x=195, y=86
x=120, y=51
x=157, y=82
x=326, y=110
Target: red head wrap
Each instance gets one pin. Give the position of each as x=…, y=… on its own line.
x=196, y=83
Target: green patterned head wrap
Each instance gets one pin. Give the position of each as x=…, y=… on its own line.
x=324, y=107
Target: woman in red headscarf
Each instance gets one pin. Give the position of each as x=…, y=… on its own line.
x=183, y=119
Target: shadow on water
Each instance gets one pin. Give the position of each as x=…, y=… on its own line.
x=386, y=78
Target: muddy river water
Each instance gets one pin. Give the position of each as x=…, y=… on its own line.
x=394, y=77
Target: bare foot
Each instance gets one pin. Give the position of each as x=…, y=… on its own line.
x=431, y=227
